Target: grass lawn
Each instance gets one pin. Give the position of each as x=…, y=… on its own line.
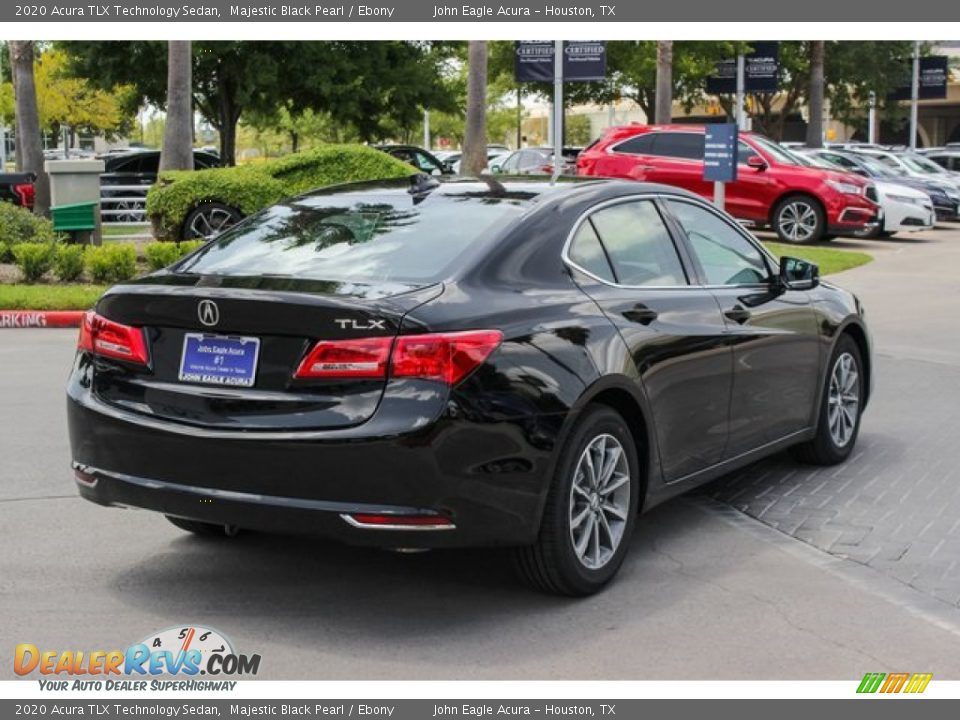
x=49, y=297
x=827, y=259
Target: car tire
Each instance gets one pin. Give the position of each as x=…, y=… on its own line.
x=585, y=530
x=209, y=219
x=799, y=219
x=841, y=406
x=203, y=528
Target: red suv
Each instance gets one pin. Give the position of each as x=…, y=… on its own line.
x=803, y=204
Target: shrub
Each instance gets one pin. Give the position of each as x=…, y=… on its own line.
x=161, y=254
x=33, y=259
x=189, y=246
x=68, y=262
x=115, y=262
x=254, y=187
x=18, y=225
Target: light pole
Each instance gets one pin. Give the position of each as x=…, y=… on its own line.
x=872, y=119
x=915, y=95
x=3, y=129
x=557, y=107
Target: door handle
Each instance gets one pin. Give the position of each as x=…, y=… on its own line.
x=738, y=314
x=640, y=313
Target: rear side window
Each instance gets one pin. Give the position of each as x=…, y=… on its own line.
x=360, y=237
x=638, y=244
x=640, y=145
x=686, y=145
x=587, y=252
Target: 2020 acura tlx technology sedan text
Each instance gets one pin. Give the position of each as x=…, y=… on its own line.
x=434, y=363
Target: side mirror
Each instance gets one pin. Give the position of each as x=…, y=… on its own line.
x=756, y=162
x=861, y=171
x=796, y=274
x=436, y=172
x=495, y=169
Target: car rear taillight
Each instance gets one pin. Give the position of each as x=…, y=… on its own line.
x=447, y=357
x=365, y=358
x=25, y=192
x=111, y=339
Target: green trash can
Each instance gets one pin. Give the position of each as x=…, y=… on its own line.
x=74, y=218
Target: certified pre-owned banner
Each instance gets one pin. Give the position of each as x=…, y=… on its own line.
x=582, y=60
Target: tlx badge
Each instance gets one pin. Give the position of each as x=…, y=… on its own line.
x=351, y=324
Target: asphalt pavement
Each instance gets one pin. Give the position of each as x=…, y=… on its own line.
x=715, y=586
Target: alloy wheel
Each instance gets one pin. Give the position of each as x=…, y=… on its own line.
x=211, y=222
x=599, y=501
x=843, y=399
x=798, y=221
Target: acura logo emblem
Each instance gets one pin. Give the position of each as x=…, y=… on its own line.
x=208, y=312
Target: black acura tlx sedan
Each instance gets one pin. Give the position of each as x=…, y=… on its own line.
x=427, y=363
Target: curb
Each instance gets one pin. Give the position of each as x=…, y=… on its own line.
x=40, y=318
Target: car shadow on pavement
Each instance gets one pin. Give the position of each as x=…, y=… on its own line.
x=301, y=589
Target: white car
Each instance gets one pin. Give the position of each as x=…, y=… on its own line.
x=914, y=165
x=903, y=209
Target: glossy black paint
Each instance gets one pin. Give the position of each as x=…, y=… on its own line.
x=708, y=379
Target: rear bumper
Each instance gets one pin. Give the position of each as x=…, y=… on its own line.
x=488, y=478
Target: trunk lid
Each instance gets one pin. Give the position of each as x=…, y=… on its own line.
x=283, y=317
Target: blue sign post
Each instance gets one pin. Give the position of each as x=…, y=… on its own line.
x=720, y=158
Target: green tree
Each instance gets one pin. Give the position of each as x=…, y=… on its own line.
x=368, y=86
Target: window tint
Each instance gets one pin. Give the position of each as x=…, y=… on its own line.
x=586, y=251
x=359, y=237
x=510, y=164
x=726, y=256
x=744, y=152
x=638, y=244
x=841, y=160
x=687, y=145
x=640, y=145
x=531, y=158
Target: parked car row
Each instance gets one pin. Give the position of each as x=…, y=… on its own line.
x=774, y=188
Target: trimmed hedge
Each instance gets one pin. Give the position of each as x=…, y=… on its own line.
x=18, y=225
x=164, y=254
x=68, y=261
x=250, y=188
x=34, y=259
x=112, y=263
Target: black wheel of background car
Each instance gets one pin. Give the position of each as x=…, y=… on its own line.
x=201, y=528
x=208, y=220
x=841, y=407
x=591, y=509
x=799, y=219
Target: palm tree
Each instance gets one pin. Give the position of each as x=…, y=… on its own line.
x=663, y=110
x=177, y=151
x=474, y=159
x=815, y=124
x=29, y=136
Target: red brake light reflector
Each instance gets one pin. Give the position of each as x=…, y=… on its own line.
x=371, y=520
x=364, y=358
x=111, y=339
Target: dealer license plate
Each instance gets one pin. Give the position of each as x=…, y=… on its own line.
x=219, y=360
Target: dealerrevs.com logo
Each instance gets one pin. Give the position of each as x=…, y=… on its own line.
x=188, y=651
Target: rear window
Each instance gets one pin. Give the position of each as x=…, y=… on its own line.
x=360, y=237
